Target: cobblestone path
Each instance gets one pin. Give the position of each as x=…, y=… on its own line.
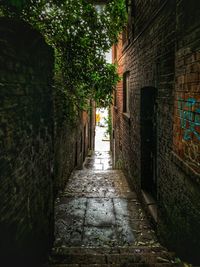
x=100, y=223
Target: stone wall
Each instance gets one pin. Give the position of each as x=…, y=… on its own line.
x=26, y=142
x=161, y=51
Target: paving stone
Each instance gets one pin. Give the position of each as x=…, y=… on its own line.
x=124, y=210
x=100, y=212
x=98, y=166
x=100, y=223
x=63, y=265
x=82, y=259
x=101, y=265
x=125, y=235
x=104, y=236
x=98, y=160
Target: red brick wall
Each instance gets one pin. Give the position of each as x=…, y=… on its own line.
x=163, y=53
x=118, y=58
x=186, y=130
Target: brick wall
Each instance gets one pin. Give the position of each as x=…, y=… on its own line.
x=149, y=58
x=182, y=205
x=187, y=92
x=187, y=108
x=162, y=52
x=117, y=110
x=73, y=140
x=26, y=142
x=40, y=145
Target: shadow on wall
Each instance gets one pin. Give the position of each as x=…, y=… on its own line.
x=26, y=141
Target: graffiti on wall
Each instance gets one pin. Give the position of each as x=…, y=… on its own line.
x=189, y=111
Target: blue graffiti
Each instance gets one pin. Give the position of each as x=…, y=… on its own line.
x=190, y=117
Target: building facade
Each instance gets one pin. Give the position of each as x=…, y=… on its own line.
x=156, y=116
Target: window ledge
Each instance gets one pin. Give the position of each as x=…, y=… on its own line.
x=151, y=205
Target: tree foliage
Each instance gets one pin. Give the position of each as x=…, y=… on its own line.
x=80, y=33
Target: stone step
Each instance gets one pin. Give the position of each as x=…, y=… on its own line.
x=118, y=265
x=88, y=172
x=113, y=257
x=108, y=250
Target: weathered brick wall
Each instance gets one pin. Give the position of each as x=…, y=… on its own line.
x=26, y=142
x=163, y=53
x=118, y=107
x=180, y=200
x=187, y=92
x=72, y=142
x=143, y=13
x=40, y=146
x=150, y=60
x=65, y=143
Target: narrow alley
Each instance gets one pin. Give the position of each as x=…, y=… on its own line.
x=100, y=222
x=99, y=133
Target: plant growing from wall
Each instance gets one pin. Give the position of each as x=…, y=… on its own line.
x=108, y=122
x=80, y=34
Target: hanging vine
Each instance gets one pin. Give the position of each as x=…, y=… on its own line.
x=80, y=34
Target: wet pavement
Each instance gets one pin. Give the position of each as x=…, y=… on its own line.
x=99, y=221
x=102, y=161
x=102, y=143
x=98, y=208
x=104, y=214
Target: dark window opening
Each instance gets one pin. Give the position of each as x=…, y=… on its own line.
x=126, y=92
x=115, y=52
x=125, y=35
x=115, y=97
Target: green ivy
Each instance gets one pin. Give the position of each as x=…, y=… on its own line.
x=15, y=5
x=80, y=34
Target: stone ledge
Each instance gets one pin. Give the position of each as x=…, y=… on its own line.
x=151, y=205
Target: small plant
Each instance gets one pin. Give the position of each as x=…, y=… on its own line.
x=119, y=164
x=108, y=123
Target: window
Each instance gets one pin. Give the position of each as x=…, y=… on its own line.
x=115, y=52
x=115, y=97
x=126, y=92
x=125, y=35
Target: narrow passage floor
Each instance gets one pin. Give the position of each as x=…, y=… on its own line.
x=99, y=222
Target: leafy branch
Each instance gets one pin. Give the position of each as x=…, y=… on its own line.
x=80, y=34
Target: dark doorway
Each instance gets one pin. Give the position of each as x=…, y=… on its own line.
x=148, y=140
